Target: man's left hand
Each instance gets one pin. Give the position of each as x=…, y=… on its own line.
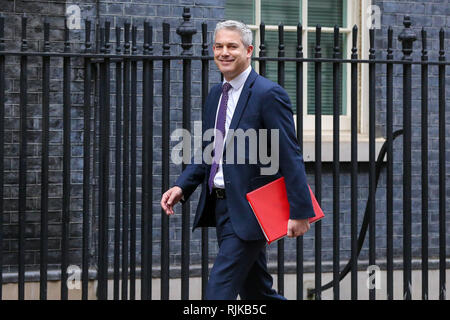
x=297, y=227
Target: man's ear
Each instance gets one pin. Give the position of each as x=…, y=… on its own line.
x=249, y=51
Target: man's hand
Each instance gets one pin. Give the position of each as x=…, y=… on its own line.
x=170, y=198
x=297, y=227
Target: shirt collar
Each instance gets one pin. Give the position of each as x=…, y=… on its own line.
x=239, y=81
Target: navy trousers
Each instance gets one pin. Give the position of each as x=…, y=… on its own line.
x=240, y=267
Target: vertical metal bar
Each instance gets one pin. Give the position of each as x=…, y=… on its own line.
x=66, y=167
x=97, y=91
x=23, y=158
x=185, y=218
x=280, y=243
x=424, y=144
x=107, y=110
x=132, y=206
x=186, y=30
x=299, y=121
x=354, y=167
x=336, y=202
x=133, y=163
x=96, y=172
x=389, y=172
x=442, y=159
x=407, y=37
x=205, y=89
x=117, y=167
x=86, y=162
x=2, y=148
x=145, y=173
x=104, y=165
x=372, y=182
x=262, y=49
x=147, y=168
x=318, y=163
x=101, y=169
x=407, y=180
x=44, y=164
x=126, y=163
x=165, y=162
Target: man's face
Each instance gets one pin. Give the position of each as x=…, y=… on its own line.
x=230, y=54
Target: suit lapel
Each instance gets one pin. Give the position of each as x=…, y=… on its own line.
x=213, y=107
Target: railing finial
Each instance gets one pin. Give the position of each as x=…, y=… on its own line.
x=2, y=32
x=186, y=30
x=46, y=35
x=24, y=45
x=441, y=45
x=204, y=39
x=126, y=35
x=407, y=37
x=354, y=42
x=299, y=53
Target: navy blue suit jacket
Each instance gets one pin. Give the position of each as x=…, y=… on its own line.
x=262, y=104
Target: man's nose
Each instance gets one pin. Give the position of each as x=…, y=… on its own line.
x=224, y=51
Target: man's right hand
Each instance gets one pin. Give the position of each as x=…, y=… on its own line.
x=170, y=198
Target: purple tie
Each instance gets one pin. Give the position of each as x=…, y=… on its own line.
x=220, y=125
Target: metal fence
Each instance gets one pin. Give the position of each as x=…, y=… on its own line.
x=97, y=85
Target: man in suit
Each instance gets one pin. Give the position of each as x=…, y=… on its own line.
x=245, y=100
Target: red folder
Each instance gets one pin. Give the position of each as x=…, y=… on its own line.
x=271, y=207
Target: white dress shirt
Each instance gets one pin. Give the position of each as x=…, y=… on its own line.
x=233, y=97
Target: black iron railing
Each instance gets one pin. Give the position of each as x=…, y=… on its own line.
x=97, y=89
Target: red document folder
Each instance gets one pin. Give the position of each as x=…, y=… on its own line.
x=271, y=207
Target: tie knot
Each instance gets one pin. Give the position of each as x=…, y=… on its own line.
x=226, y=86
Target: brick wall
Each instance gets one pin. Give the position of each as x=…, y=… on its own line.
x=13, y=10
x=117, y=13
x=432, y=15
